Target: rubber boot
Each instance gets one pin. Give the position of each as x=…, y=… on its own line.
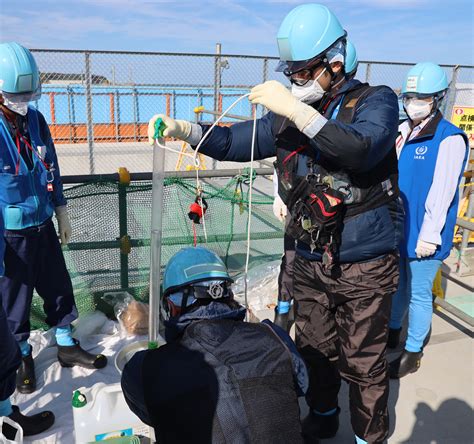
x=31, y=425
x=406, y=363
x=319, y=426
x=25, y=376
x=71, y=355
x=393, y=337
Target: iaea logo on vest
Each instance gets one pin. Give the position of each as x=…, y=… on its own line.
x=420, y=151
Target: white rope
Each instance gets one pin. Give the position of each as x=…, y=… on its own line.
x=199, y=189
x=196, y=152
x=167, y=148
x=247, y=258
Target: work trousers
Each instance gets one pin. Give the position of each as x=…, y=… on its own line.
x=10, y=357
x=342, y=315
x=285, y=278
x=415, y=295
x=34, y=261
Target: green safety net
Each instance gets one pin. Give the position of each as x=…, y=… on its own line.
x=102, y=213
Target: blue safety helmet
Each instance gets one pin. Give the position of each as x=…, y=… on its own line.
x=351, y=62
x=19, y=75
x=193, y=265
x=425, y=79
x=305, y=35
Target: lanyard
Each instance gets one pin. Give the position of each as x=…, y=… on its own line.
x=33, y=151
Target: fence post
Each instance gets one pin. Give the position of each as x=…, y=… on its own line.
x=68, y=89
x=217, y=85
x=173, y=104
x=117, y=120
x=52, y=107
x=265, y=70
x=90, y=128
x=135, y=113
x=463, y=267
x=123, y=235
x=367, y=73
x=451, y=99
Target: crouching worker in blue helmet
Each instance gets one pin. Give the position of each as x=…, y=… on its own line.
x=334, y=140
x=30, y=193
x=10, y=358
x=218, y=379
x=432, y=155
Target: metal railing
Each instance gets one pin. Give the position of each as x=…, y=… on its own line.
x=124, y=243
x=92, y=98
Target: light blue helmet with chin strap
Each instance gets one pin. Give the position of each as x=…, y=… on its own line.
x=193, y=265
x=306, y=34
x=351, y=61
x=425, y=78
x=19, y=74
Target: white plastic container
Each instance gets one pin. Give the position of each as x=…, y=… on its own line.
x=101, y=413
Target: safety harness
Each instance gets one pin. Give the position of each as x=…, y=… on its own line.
x=320, y=195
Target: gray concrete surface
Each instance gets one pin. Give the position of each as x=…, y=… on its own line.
x=432, y=406
x=136, y=157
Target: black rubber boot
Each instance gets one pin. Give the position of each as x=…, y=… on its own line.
x=31, y=425
x=406, y=363
x=319, y=426
x=71, y=355
x=25, y=376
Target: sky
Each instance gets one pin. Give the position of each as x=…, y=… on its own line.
x=382, y=30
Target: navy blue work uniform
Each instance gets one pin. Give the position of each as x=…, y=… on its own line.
x=10, y=356
x=30, y=190
x=219, y=379
x=341, y=311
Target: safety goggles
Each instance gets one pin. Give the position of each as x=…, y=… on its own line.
x=305, y=75
x=203, y=290
x=419, y=99
x=23, y=97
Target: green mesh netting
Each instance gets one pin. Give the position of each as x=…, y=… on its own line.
x=101, y=213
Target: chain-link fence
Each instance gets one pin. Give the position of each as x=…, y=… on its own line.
x=98, y=103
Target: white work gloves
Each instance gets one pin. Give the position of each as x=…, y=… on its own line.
x=64, y=224
x=180, y=129
x=278, y=99
x=424, y=249
x=279, y=208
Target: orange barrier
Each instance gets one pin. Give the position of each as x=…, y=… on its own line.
x=103, y=132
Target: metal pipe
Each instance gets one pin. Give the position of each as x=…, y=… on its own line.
x=216, y=113
x=90, y=124
x=122, y=201
x=217, y=85
x=367, y=73
x=201, y=55
x=175, y=240
x=462, y=264
x=455, y=311
x=157, y=207
x=205, y=174
x=451, y=99
x=463, y=223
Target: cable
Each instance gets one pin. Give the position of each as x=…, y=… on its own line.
x=198, y=147
x=247, y=258
x=199, y=189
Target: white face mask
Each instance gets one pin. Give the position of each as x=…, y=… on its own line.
x=417, y=109
x=311, y=92
x=17, y=107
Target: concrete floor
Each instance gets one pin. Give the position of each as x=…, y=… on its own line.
x=434, y=405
